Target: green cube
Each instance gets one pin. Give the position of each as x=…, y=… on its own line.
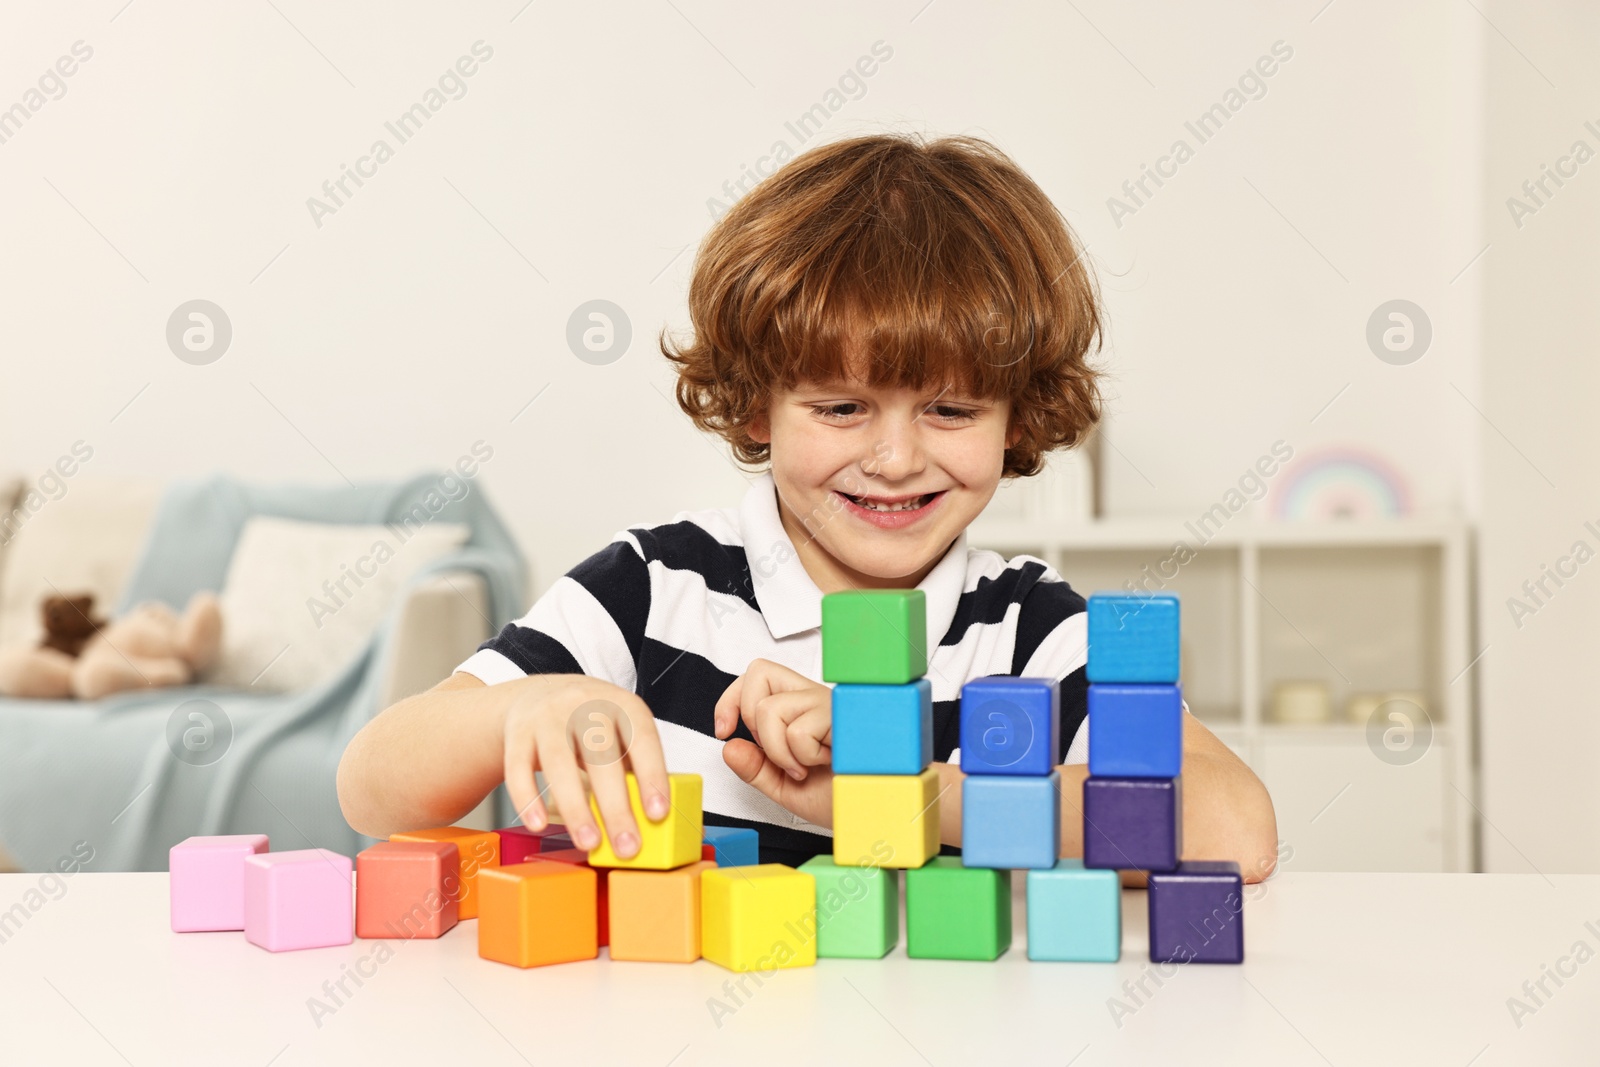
x=875, y=636
x=957, y=913
x=858, y=909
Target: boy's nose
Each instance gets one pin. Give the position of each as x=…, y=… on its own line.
x=896, y=455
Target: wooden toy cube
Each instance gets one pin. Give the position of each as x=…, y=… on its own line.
x=655, y=915
x=1132, y=823
x=890, y=819
x=858, y=909
x=299, y=899
x=672, y=842
x=537, y=913
x=957, y=913
x=758, y=918
x=1197, y=913
x=1074, y=914
x=883, y=729
x=603, y=894
x=408, y=889
x=477, y=849
x=519, y=844
x=875, y=636
x=1010, y=726
x=733, y=846
x=1009, y=822
x=1135, y=731
x=206, y=876
x=1133, y=638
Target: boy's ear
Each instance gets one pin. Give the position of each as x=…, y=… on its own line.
x=760, y=429
x=1013, y=434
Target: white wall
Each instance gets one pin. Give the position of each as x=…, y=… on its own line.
x=406, y=327
x=1540, y=728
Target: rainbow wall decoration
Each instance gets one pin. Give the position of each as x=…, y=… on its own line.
x=1340, y=483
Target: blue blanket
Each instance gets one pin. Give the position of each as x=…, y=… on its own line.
x=103, y=773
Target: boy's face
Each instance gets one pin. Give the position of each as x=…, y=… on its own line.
x=875, y=483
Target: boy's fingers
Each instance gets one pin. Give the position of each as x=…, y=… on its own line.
x=610, y=787
x=754, y=768
x=649, y=765
x=521, y=786
x=810, y=736
x=725, y=716
x=566, y=786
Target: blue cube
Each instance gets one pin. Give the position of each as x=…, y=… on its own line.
x=734, y=846
x=1074, y=914
x=1197, y=913
x=1010, y=726
x=883, y=729
x=1132, y=823
x=1010, y=822
x=1133, y=638
x=1135, y=731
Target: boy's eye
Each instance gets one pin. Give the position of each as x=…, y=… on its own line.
x=953, y=412
x=836, y=411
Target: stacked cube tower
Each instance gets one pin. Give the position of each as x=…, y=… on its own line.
x=1133, y=797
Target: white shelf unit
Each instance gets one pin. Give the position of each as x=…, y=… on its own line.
x=1363, y=606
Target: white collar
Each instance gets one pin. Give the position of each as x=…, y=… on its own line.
x=790, y=601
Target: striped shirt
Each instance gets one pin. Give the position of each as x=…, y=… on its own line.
x=676, y=612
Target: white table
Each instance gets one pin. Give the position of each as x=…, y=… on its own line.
x=1340, y=969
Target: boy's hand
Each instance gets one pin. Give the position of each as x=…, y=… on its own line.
x=569, y=725
x=811, y=799
x=789, y=715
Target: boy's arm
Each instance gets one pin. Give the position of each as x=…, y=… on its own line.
x=1227, y=814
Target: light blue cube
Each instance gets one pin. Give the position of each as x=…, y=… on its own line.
x=1010, y=726
x=1133, y=638
x=733, y=846
x=1010, y=822
x=1135, y=731
x=1074, y=914
x=883, y=729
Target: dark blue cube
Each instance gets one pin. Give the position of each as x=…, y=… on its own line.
x=1132, y=823
x=1197, y=913
x=1010, y=726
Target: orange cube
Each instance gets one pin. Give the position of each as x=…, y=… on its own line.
x=537, y=913
x=655, y=915
x=479, y=849
x=408, y=889
x=602, y=904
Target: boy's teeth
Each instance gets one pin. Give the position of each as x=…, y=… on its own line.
x=907, y=505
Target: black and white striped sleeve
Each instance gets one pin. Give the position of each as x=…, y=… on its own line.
x=1053, y=642
x=591, y=621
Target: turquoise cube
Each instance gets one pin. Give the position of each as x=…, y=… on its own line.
x=858, y=909
x=1135, y=731
x=1133, y=638
x=733, y=846
x=883, y=729
x=1074, y=914
x=1010, y=823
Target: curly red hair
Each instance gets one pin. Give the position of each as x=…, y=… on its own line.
x=897, y=262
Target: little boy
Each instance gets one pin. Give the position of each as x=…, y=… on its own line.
x=892, y=327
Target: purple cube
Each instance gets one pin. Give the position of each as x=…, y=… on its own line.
x=1197, y=913
x=1132, y=823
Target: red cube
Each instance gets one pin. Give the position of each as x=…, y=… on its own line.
x=408, y=889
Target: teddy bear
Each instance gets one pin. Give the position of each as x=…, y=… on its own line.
x=88, y=658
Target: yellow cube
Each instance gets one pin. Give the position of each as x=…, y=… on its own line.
x=886, y=820
x=758, y=918
x=672, y=842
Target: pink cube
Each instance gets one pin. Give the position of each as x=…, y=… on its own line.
x=518, y=844
x=207, y=881
x=300, y=899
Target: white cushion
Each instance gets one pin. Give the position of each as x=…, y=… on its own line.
x=303, y=598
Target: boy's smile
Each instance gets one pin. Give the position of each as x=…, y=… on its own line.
x=876, y=482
